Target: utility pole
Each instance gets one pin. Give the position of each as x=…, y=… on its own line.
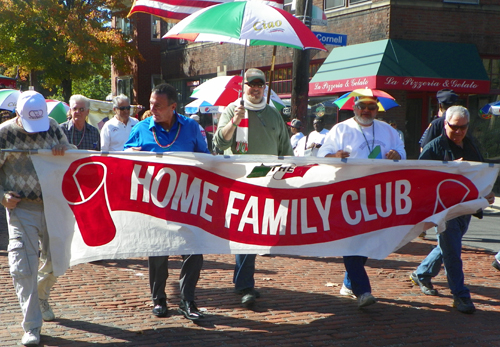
x=300, y=69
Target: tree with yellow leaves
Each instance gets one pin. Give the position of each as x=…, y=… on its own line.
x=64, y=39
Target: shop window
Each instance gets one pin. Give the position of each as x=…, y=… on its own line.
x=492, y=67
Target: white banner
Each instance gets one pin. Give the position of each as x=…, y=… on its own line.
x=139, y=204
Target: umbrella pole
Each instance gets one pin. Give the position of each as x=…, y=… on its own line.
x=244, y=65
x=271, y=74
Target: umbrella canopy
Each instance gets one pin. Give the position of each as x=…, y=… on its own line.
x=490, y=109
x=246, y=22
x=8, y=99
x=385, y=100
x=57, y=110
x=223, y=90
x=200, y=105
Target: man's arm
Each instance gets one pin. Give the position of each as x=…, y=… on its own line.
x=105, y=138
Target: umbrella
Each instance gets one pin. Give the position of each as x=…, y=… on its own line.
x=490, y=109
x=385, y=101
x=199, y=104
x=246, y=22
x=57, y=110
x=223, y=90
x=8, y=99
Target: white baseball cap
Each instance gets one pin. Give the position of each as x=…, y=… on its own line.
x=32, y=109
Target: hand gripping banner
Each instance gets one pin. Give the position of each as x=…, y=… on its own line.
x=140, y=204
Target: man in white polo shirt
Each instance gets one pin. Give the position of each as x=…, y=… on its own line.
x=116, y=131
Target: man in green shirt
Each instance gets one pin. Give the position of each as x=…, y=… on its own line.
x=251, y=126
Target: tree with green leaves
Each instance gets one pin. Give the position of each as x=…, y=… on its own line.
x=65, y=39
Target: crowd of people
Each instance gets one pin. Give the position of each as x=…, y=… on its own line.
x=247, y=126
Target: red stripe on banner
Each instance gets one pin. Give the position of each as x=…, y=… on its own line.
x=250, y=214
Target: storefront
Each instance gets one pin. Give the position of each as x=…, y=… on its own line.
x=412, y=71
x=7, y=82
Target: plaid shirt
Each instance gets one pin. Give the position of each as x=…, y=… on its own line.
x=88, y=138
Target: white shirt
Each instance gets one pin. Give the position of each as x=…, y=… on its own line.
x=114, y=134
x=359, y=141
x=314, y=137
x=295, y=139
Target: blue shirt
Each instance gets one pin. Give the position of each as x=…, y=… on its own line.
x=186, y=139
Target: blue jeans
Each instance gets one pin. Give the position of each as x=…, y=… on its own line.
x=355, y=277
x=244, y=271
x=449, y=252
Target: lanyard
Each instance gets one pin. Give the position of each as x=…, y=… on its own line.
x=373, y=139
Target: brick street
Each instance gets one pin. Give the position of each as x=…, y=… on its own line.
x=107, y=304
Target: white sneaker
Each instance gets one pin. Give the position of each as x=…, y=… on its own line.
x=366, y=299
x=31, y=337
x=346, y=291
x=47, y=313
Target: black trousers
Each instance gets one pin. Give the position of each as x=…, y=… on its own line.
x=188, y=278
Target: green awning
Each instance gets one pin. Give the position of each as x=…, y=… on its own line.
x=403, y=65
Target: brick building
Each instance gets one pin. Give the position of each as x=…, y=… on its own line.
x=468, y=22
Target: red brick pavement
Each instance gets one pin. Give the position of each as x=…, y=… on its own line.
x=107, y=304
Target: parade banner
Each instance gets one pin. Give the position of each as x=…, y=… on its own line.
x=125, y=204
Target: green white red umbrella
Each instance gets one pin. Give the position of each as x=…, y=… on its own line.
x=246, y=22
x=223, y=90
x=57, y=110
x=8, y=99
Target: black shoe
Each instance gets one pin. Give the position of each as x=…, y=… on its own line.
x=425, y=285
x=189, y=310
x=249, y=296
x=245, y=291
x=464, y=305
x=160, y=310
x=495, y=264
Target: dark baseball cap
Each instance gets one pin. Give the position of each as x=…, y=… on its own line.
x=295, y=123
x=447, y=97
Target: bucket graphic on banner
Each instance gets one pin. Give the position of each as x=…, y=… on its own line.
x=84, y=185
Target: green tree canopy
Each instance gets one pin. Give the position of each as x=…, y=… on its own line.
x=66, y=39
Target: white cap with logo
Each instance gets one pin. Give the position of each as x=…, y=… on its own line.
x=32, y=109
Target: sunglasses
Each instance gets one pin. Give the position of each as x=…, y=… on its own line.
x=123, y=108
x=255, y=85
x=79, y=109
x=457, y=127
x=371, y=107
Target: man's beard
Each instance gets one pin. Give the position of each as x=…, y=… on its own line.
x=363, y=121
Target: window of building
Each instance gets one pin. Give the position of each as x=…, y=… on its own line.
x=336, y=4
x=492, y=67
x=172, y=43
x=472, y=2
x=125, y=85
x=158, y=28
x=282, y=81
x=124, y=25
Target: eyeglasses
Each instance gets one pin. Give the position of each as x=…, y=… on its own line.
x=123, y=108
x=371, y=107
x=79, y=109
x=256, y=85
x=457, y=127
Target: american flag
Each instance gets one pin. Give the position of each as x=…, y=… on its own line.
x=176, y=10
